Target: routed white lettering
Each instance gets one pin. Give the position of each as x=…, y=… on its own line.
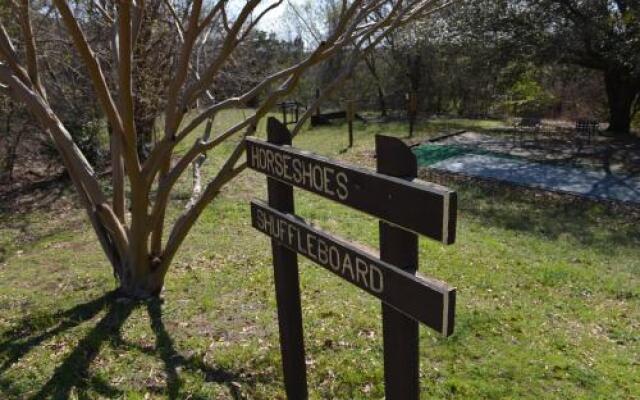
x=310, y=240
x=342, y=190
x=334, y=258
x=297, y=170
x=327, y=180
x=263, y=159
x=279, y=167
x=346, y=264
x=299, y=242
x=307, y=174
x=290, y=232
x=261, y=218
x=255, y=156
x=285, y=162
x=323, y=256
x=282, y=224
x=375, y=278
x=270, y=161
x=318, y=176
x=361, y=272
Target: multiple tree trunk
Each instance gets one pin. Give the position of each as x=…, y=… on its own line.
x=131, y=229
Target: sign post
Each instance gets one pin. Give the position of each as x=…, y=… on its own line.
x=412, y=108
x=405, y=206
x=398, y=247
x=285, y=270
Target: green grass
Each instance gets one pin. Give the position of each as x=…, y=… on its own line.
x=548, y=303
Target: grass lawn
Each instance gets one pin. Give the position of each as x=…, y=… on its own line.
x=548, y=302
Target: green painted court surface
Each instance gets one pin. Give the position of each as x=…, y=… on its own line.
x=428, y=154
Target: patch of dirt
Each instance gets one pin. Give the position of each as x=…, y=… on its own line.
x=43, y=193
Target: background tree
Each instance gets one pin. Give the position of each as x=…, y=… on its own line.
x=135, y=241
x=598, y=35
x=604, y=36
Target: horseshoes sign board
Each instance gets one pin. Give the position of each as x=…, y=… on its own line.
x=423, y=208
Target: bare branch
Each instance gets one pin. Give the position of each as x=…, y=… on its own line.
x=30, y=47
x=176, y=20
x=125, y=55
x=230, y=43
x=256, y=21
x=105, y=14
x=10, y=57
x=100, y=85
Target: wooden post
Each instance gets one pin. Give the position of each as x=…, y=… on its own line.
x=317, y=97
x=350, y=117
x=284, y=113
x=285, y=265
x=413, y=111
x=400, y=248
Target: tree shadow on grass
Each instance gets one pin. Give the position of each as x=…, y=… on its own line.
x=73, y=374
x=74, y=370
x=172, y=360
x=36, y=329
x=37, y=195
x=588, y=223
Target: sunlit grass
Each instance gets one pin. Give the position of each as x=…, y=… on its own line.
x=548, y=301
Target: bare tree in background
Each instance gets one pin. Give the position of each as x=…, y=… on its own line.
x=138, y=244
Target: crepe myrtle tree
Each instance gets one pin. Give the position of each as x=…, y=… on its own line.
x=131, y=229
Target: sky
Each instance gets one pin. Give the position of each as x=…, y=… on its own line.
x=273, y=21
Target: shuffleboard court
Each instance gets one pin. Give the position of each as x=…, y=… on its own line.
x=577, y=181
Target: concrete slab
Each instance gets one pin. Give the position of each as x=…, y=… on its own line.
x=578, y=181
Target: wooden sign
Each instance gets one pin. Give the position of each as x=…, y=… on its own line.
x=421, y=207
x=425, y=300
x=407, y=207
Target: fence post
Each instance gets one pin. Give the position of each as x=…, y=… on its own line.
x=400, y=248
x=412, y=111
x=350, y=116
x=286, y=277
x=283, y=107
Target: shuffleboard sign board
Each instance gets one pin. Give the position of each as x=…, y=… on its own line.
x=428, y=301
x=424, y=208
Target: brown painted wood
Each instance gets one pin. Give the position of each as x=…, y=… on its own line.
x=425, y=300
x=418, y=206
x=350, y=116
x=286, y=278
x=399, y=247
